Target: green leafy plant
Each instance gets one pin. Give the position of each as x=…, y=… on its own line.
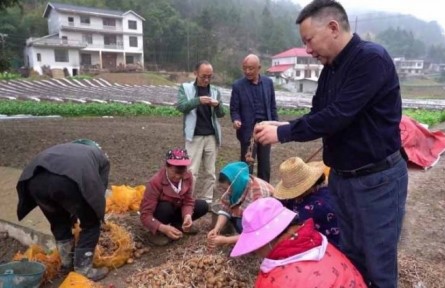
x=9, y=76
x=71, y=109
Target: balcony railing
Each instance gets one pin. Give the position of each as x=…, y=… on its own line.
x=89, y=27
x=115, y=46
x=60, y=43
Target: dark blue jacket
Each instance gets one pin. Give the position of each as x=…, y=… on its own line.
x=356, y=110
x=242, y=106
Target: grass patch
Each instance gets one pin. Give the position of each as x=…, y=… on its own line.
x=70, y=109
x=430, y=117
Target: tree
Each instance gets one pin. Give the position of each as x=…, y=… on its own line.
x=8, y=3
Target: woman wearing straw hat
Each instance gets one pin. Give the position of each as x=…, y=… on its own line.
x=303, y=190
x=295, y=255
x=241, y=189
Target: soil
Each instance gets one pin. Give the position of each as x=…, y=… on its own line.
x=13, y=246
x=136, y=147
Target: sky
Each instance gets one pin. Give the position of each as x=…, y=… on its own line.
x=427, y=10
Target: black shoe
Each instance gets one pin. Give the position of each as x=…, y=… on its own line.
x=83, y=264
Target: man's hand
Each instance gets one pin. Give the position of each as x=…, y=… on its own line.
x=170, y=231
x=236, y=124
x=274, y=123
x=265, y=133
x=187, y=224
x=214, y=103
x=205, y=100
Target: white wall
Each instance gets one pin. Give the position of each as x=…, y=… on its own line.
x=284, y=61
x=130, y=49
x=53, y=22
x=48, y=59
x=131, y=16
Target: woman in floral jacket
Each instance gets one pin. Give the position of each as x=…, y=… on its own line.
x=241, y=189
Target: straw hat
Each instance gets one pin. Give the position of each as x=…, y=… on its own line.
x=297, y=177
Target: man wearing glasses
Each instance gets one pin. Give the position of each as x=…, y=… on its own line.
x=253, y=101
x=202, y=106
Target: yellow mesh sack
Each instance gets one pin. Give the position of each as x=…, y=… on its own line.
x=51, y=260
x=114, y=248
x=76, y=280
x=124, y=198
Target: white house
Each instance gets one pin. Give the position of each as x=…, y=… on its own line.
x=297, y=66
x=409, y=66
x=84, y=37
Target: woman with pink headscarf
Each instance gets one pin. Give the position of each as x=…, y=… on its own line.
x=294, y=255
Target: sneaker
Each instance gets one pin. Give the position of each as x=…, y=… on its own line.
x=158, y=239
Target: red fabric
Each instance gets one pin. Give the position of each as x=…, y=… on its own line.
x=304, y=238
x=334, y=270
x=422, y=146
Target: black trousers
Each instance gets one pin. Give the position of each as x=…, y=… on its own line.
x=166, y=213
x=62, y=203
x=262, y=154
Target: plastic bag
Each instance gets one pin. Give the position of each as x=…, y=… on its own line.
x=51, y=260
x=76, y=280
x=114, y=248
x=124, y=198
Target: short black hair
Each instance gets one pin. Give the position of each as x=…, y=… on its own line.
x=321, y=9
x=200, y=63
x=223, y=178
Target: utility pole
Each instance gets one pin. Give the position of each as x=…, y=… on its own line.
x=188, y=49
x=355, y=26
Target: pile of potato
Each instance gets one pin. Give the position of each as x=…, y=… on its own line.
x=138, y=251
x=211, y=271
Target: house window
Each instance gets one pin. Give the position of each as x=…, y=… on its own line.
x=109, y=40
x=297, y=73
x=39, y=57
x=65, y=39
x=85, y=20
x=85, y=59
x=88, y=38
x=133, y=41
x=307, y=73
x=132, y=24
x=61, y=55
x=109, y=22
x=71, y=21
x=129, y=59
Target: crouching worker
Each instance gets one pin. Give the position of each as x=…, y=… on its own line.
x=295, y=255
x=168, y=208
x=241, y=189
x=68, y=182
x=303, y=189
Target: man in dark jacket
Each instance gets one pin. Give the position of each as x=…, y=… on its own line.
x=68, y=182
x=253, y=101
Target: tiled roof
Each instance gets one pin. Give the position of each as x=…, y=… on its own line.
x=86, y=10
x=70, y=7
x=279, y=68
x=294, y=52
